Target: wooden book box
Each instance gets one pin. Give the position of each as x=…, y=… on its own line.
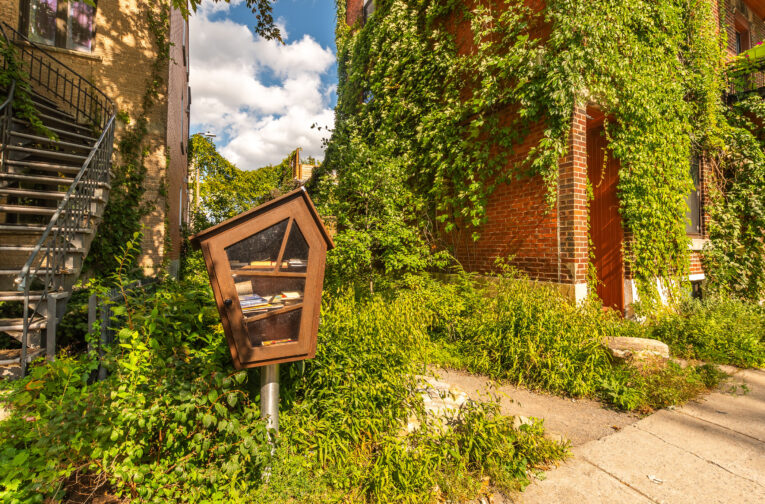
x=266, y=269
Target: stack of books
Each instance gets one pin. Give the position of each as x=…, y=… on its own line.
x=254, y=304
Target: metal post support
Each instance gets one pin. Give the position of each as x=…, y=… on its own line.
x=93, y=315
x=269, y=396
x=50, y=329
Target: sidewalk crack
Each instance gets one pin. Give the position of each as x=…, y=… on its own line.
x=712, y=462
x=614, y=476
x=718, y=425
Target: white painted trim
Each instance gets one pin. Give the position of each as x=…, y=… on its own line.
x=580, y=292
x=697, y=244
x=697, y=277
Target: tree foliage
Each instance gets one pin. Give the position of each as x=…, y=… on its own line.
x=225, y=190
x=262, y=10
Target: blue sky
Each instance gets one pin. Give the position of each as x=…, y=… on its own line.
x=259, y=97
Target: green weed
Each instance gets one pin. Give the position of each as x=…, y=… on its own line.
x=721, y=330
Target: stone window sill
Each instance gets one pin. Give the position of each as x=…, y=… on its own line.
x=61, y=50
x=697, y=244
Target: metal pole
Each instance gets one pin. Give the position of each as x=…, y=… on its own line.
x=196, y=196
x=269, y=396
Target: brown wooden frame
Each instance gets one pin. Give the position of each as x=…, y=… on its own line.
x=297, y=208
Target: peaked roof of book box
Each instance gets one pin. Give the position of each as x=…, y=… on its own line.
x=265, y=207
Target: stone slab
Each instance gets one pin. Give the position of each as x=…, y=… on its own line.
x=735, y=452
x=578, y=482
x=667, y=473
x=740, y=412
x=578, y=420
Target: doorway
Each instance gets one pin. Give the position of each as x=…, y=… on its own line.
x=605, y=222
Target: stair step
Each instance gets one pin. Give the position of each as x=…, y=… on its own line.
x=54, y=111
x=31, y=229
x=27, y=248
x=42, y=179
x=11, y=357
x=52, y=195
x=38, y=98
x=50, y=141
x=37, y=179
x=17, y=324
x=43, y=166
x=83, y=130
x=27, y=210
x=19, y=295
x=35, y=271
x=61, y=132
x=75, y=158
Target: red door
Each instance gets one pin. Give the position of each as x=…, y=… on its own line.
x=605, y=222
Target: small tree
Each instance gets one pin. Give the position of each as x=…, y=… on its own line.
x=225, y=190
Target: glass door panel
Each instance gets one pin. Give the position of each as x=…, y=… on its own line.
x=295, y=257
x=274, y=330
x=269, y=274
x=259, y=251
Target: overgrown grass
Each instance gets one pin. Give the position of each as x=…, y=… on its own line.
x=174, y=422
x=720, y=330
x=529, y=334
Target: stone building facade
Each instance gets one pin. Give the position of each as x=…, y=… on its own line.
x=113, y=46
x=552, y=244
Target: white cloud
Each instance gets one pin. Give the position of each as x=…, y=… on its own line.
x=262, y=95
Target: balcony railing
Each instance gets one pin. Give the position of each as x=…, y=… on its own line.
x=746, y=74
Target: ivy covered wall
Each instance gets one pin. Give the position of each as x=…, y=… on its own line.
x=474, y=103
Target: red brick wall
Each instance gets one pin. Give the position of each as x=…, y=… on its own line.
x=696, y=267
x=741, y=10
x=520, y=224
x=354, y=10
x=549, y=243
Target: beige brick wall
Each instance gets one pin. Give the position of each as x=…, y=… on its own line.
x=120, y=65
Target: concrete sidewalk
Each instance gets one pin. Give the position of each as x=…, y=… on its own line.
x=711, y=451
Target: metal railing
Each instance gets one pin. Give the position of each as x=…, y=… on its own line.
x=746, y=77
x=53, y=79
x=48, y=266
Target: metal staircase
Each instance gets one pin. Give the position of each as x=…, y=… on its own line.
x=53, y=192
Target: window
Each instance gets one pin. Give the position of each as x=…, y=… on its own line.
x=742, y=41
x=741, y=25
x=62, y=23
x=693, y=225
x=369, y=8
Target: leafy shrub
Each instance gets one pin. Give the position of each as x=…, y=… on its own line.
x=657, y=385
x=722, y=330
x=174, y=422
x=527, y=333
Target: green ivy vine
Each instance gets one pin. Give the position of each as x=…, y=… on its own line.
x=23, y=106
x=127, y=207
x=417, y=88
